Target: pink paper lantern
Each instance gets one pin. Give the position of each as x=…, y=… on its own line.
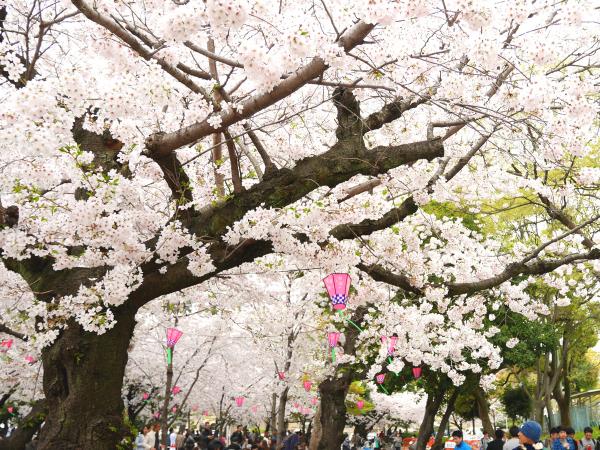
x=10, y=409
x=281, y=375
x=239, y=401
x=156, y=415
x=391, y=343
x=176, y=390
x=338, y=286
x=174, y=409
x=360, y=404
x=205, y=413
x=6, y=343
x=333, y=337
x=380, y=378
x=30, y=359
x=195, y=408
x=296, y=405
x=173, y=335
x=145, y=396
x=307, y=385
x=417, y=372
x=314, y=401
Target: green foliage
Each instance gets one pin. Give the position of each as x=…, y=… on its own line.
x=584, y=373
x=516, y=402
x=466, y=406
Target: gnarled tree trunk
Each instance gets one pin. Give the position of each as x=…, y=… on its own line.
x=83, y=378
x=439, y=437
x=432, y=406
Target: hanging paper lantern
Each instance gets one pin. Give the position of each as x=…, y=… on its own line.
x=239, y=401
x=176, y=390
x=380, y=378
x=307, y=385
x=195, y=408
x=156, y=415
x=314, y=401
x=6, y=343
x=281, y=375
x=333, y=337
x=30, y=359
x=205, y=413
x=296, y=405
x=174, y=409
x=173, y=335
x=338, y=286
x=145, y=396
x=10, y=409
x=392, y=340
x=416, y=372
x=360, y=404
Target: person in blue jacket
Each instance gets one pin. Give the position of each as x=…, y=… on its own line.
x=457, y=437
x=529, y=436
x=563, y=442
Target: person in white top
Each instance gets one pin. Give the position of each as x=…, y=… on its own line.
x=513, y=442
x=149, y=438
x=172, y=439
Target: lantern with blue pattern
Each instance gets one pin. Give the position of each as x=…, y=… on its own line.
x=338, y=286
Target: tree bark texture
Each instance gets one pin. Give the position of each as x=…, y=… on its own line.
x=432, y=406
x=83, y=378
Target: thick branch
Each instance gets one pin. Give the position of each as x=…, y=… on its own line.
x=6, y=330
x=538, y=267
x=563, y=217
x=393, y=111
x=167, y=142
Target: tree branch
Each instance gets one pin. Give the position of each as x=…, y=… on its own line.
x=168, y=142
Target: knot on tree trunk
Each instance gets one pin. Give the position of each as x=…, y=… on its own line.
x=348, y=115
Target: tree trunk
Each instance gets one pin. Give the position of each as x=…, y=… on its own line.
x=439, y=437
x=281, y=418
x=484, y=411
x=316, y=430
x=432, y=407
x=333, y=411
x=83, y=378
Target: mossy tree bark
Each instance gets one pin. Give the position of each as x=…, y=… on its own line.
x=83, y=378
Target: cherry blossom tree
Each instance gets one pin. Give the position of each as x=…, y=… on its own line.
x=152, y=147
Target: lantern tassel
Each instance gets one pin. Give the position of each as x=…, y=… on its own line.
x=332, y=354
x=169, y=356
x=390, y=359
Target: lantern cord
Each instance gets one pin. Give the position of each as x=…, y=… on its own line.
x=169, y=355
x=384, y=389
x=341, y=313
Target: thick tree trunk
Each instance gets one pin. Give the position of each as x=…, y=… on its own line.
x=439, y=437
x=484, y=411
x=316, y=430
x=83, y=378
x=432, y=407
x=333, y=411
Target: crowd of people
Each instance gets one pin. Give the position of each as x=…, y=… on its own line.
x=208, y=438
x=525, y=438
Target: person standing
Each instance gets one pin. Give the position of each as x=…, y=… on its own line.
x=139, y=440
x=457, y=437
x=588, y=442
x=149, y=438
x=485, y=440
x=514, y=439
x=563, y=442
x=498, y=442
x=529, y=436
